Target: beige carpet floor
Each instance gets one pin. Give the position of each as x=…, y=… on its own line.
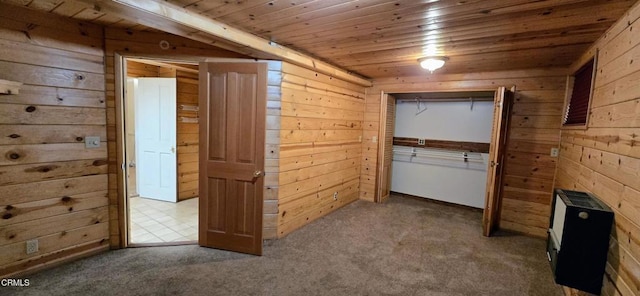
x=403, y=247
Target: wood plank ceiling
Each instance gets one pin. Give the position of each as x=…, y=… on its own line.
x=382, y=38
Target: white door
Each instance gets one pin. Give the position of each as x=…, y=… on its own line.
x=155, y=126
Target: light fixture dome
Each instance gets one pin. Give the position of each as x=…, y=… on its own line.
x=432, y=63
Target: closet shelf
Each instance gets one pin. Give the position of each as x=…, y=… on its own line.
x=440, y=144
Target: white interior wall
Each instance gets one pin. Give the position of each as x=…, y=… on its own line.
x=449, y=180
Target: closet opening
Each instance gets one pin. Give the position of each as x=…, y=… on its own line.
x=444, y=146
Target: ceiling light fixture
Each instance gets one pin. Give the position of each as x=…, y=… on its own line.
x=432, y=63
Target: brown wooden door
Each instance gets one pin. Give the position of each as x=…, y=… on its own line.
x=502, y=108
x=232, y=136
x=385, y=156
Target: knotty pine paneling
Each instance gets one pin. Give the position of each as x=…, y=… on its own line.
x=534, y=130
x=604, y=158
x=146, y=44
x=52, y=188
x=187, y=88
x=319, y=131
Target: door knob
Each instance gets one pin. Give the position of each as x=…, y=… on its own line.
x=257, y=173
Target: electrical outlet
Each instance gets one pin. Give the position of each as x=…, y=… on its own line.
x=32, y=246
x=421, y=141
x=374, y=139
x=335, y=195
x=91, y=142
x=554, y=152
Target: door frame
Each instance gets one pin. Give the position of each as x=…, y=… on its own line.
x=120, y=71
x=381, y=134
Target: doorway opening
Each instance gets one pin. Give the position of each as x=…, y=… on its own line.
x=446, y=146
x=160, y=120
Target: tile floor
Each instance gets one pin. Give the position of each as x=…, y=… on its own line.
x=155, y=221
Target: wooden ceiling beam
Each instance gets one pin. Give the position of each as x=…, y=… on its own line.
x=174, y=19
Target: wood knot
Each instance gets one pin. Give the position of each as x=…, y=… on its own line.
x=79, y=77
x=66, y=199
x=6, y=216
x=13, y=155
x=14, y=136
x=79, y=139
x=30, y=109
x=9, y=208
x=42, y=169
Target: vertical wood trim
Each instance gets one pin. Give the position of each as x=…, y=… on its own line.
x=594, y=72
x=380, y=158
x=511, y=96
x=203, y=182
x=123, y=208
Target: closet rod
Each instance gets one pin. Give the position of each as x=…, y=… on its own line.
x=441, y=156
x=446, y=100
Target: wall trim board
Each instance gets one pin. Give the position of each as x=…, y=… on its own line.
x=440, y=144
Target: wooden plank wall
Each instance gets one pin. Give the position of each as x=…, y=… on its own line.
x=320, y=132
x=52, y=188
x=272, y=151
x=144, y=44
x=534, y=130
x=187, y=87
x=604, y=159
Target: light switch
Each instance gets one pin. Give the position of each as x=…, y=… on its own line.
x=92, y=142
x=374, y=139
